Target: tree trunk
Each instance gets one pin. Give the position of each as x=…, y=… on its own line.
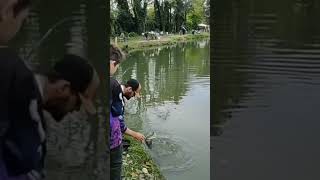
x=158, y=14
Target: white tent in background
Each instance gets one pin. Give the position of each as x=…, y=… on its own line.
x=203, y=27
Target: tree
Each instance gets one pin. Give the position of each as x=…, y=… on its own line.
x=162, y=15
x=196, y=15
x=124, y=18
x=187, y=6
x=150, y=22
x=167, y=16
x=158, y=14
x=113, y=16
x=140, y=12
x=207, y=11
x=179, y=14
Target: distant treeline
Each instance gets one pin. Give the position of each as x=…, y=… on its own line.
x=138, y=16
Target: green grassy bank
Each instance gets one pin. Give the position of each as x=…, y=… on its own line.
x=138, y=43
x=138, y=164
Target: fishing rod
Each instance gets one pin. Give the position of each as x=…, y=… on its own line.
x=37, y=45
x=126, y=71
x=121, y=75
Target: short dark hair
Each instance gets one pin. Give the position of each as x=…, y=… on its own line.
x=116, y=54
x=133, y=83
x=20, y=6
x=74, y=69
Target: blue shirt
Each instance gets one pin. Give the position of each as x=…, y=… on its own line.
x=117, y=102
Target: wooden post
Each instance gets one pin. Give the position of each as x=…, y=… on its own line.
x=116, y=40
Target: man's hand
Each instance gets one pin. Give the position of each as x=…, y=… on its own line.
x=138, y=136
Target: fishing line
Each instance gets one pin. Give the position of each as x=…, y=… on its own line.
x=37, y=45
x=125, y=71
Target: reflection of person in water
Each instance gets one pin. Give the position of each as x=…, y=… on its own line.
x=68, y=133
x=22, y=130
x=69, y=85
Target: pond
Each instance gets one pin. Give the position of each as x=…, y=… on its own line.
x=266, y=90
x=175, y=105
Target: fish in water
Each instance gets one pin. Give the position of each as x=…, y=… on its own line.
x=149, y=143
x=148, y=140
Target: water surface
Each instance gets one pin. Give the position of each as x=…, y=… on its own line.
x=175, y=104
x=266, y=90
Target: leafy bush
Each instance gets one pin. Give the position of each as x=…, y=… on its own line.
x=132, y=34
